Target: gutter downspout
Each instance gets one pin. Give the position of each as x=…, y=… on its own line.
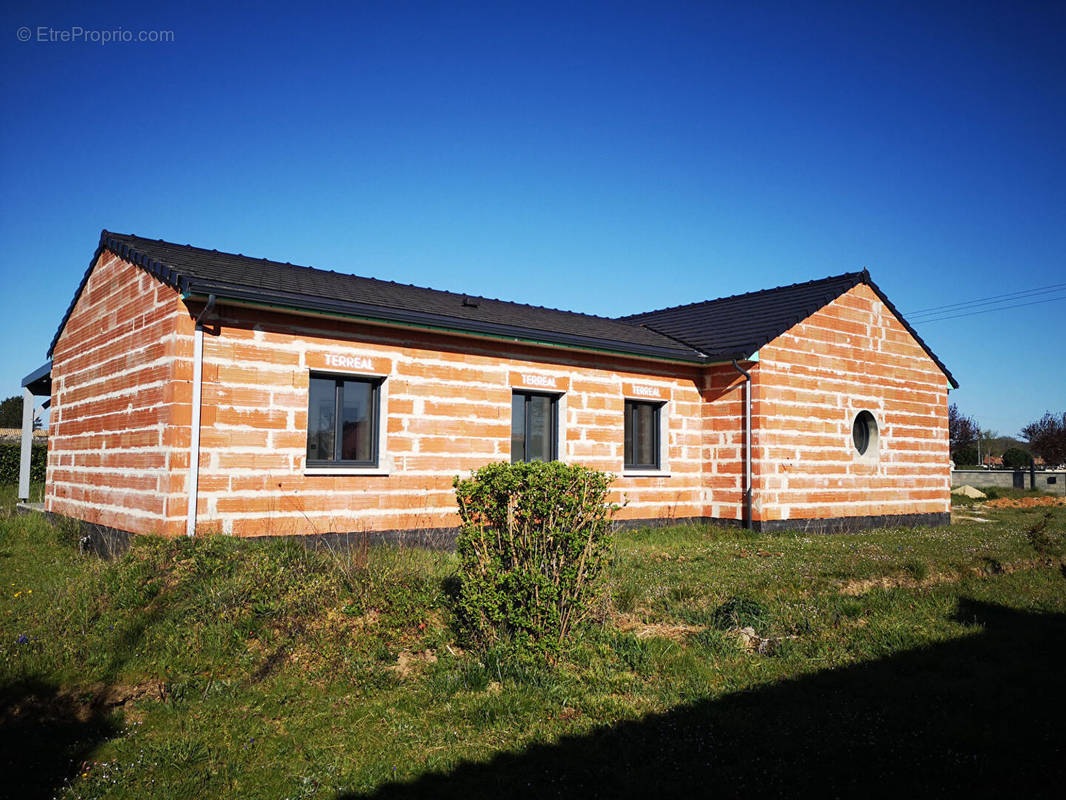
x=747, y=443
x=194, y=440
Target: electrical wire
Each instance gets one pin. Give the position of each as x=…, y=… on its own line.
x=994, y=299
x=983, y=311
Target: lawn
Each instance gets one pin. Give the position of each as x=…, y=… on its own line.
x=718, y=662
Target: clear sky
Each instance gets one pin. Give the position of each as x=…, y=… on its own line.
x=602, y=158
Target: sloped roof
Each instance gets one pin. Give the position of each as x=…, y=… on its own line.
x=199, y=272
x=709, y=331
x=737, y=326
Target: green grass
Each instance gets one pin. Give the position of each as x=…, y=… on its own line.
x=220, y=668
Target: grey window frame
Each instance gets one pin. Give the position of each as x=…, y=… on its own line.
x=630, y=420
x=554, y=398
x=339, y=379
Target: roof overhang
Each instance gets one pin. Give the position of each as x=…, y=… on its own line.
x=39, y=382
x=304, y=305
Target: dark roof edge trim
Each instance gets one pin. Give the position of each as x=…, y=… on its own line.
x=294, y=303
x=159, y=271
x=891, y=307
x=77, y=295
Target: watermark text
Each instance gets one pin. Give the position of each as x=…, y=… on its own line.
x=76, y=34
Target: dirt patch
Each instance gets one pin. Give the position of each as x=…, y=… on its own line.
x=409, y=663
x=628, y=623
x=856, y=588
x=1025, y=502
x=749, y=640
x=758, y=554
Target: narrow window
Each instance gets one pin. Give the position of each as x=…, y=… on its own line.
x=642, y=435
x=342, y=421
x=534, y=426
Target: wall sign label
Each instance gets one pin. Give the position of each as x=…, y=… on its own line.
x=643, y=390
x=533, y=380
x=350, y=362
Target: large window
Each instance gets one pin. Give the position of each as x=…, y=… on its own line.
x=642, y=435
x=342, y=421
x=534, y=426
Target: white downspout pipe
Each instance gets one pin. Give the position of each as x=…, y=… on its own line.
x=26, y=453
x=747, y=443
x=194, y=439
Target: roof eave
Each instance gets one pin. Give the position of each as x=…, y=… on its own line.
x=364, y=312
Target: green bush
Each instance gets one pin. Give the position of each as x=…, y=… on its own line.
x=965, y=456
x=1016, y=457
x=534, y=543
x=9, y=462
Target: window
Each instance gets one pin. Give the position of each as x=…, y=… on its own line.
x=864, y=434
x=534, y=427
x=342, y=421
x=642, y=435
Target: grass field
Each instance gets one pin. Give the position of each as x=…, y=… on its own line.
x=895, y=661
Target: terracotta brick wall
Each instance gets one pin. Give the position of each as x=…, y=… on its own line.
x=448, y=411
x=723, y=441
x=115, y=423
x=812, y=381
x=120, y=432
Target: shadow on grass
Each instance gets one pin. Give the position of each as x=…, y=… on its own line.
x=978, y=716
x=45, y=734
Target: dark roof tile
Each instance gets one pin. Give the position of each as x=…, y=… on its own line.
x=199, y=271
x=736, y=327
x=712, y=330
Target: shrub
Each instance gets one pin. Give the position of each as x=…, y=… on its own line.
x=1016, y=457
x=10, y=453
x=965, y=456
x=534, y=543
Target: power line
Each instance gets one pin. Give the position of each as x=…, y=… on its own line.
x=934, y=310
x=987, y=310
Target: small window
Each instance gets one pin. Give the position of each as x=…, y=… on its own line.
x=642, y=435
x=534, y=426
x=864, y=434
x=342, y=421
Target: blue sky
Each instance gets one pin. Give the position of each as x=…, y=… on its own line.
x=603, y=158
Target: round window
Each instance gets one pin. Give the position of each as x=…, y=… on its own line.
x=864, y=432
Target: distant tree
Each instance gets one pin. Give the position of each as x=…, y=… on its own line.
x=1047, y=438
x=11, y=414
x=1016, y=457
x=1002, y=444
x=965, y=456
x=962, y=431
